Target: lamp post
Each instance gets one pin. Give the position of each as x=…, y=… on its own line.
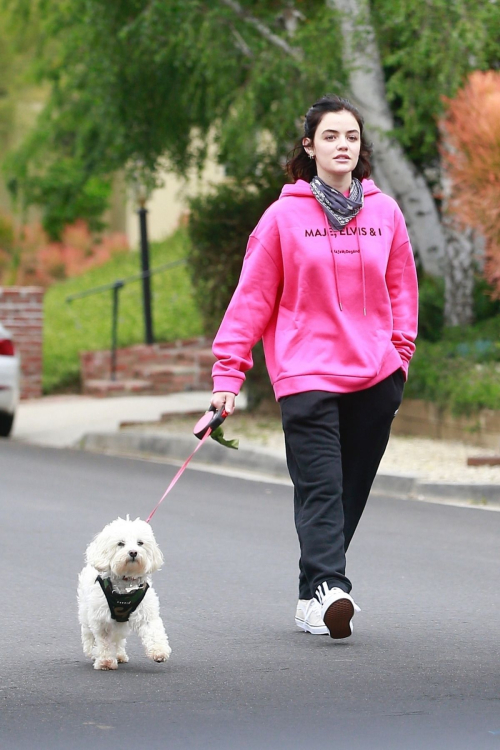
x=146, y=278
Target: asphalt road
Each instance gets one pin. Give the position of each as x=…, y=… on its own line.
x=421, y=670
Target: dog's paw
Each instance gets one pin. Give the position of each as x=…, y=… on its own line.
x=106, y=664
x=160, y=655
x=122, y=658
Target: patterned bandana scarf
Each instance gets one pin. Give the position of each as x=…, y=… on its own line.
x=339, y=209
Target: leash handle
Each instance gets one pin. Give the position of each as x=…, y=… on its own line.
x=210, y=421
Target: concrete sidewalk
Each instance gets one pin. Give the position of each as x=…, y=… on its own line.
x=94, y=424
x=62, y=421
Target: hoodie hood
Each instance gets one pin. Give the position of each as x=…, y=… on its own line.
x=301, y=188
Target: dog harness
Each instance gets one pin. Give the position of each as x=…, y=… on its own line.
x=121, y=606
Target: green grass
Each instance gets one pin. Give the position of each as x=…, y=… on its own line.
x=85, y=324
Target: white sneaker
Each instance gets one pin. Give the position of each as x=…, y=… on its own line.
x=337, y=610
x=308, y=617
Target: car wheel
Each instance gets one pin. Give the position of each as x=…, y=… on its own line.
x=6, y=422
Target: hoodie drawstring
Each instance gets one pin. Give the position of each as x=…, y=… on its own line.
x=335, y=271
x=363, y=280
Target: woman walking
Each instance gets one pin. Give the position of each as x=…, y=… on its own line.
x=329, y=284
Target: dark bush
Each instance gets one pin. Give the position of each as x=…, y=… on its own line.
x=431, y=305
x=430, y=308
x=219, y=226
x=485, y=306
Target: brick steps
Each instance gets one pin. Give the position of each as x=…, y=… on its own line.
x=94, y=387
x=150, y=370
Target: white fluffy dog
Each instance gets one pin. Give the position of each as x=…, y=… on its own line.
x=115, y=594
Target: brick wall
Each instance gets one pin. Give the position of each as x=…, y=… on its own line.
x=21, y=311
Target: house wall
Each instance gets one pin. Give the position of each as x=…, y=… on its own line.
x=168, y=205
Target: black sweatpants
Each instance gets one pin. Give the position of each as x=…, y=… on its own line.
x=334, y=444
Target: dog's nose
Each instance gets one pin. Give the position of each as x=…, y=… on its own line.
x=133, y=554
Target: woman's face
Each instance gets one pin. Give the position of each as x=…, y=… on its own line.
x=336, y=147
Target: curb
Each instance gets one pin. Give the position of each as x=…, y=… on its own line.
x=178, y=447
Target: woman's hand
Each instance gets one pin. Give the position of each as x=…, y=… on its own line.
x=222, y=398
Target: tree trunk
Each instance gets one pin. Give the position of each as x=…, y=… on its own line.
x=395, y=172
x=458, y=276
x=458, y=265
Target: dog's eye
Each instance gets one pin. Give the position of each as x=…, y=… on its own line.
x=121, y=544
x=140, y=543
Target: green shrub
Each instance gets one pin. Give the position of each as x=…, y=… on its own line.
x=7, y=234
x=460, y=374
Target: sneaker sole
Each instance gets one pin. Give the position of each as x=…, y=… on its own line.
x=314, y=630
x=338, y=618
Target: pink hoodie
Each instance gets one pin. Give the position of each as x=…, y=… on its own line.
x=337, y=311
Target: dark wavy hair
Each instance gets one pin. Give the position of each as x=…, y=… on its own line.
x=300, y=166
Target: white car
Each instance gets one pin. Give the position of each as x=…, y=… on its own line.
x=9, y=382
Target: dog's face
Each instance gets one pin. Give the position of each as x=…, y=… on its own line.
x=126, y=548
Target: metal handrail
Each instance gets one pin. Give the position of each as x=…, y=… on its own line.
x=115, y=287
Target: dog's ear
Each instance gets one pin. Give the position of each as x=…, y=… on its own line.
x=97, y=553
x=156, y=558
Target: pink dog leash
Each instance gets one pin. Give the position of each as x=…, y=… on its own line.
x=203, y=429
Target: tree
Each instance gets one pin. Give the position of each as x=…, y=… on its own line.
x=140, y=83
x=16, y=84
x=137, y=84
